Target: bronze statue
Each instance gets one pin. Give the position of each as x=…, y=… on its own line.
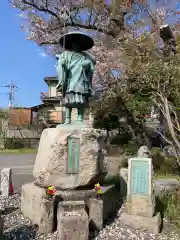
x=75, y=70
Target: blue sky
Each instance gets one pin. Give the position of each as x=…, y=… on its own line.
x=21, y=61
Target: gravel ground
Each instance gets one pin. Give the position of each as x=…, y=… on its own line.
x=17, y=227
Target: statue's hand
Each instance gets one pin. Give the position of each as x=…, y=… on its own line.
x=86, y=63
x=58, y=56
x=63, y=61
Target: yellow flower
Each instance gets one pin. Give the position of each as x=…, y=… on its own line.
x=100, y=191
x=97, y=185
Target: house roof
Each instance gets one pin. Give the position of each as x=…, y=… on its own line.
x=51, y=99
x=50, y=79
x=20, y=108
x=36, y=107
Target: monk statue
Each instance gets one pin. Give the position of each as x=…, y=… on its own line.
x=75, y=70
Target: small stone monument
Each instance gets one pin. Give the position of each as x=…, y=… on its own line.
x=144, y=152
x=73, y=222
x=5, y=182
x=139, y=211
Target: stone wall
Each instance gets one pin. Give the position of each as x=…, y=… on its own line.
x=24, y=133
x=29, y=142
x=30, y=137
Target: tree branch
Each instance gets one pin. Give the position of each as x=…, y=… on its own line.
x=76, y=25
x=163, y=136
x=41, y=9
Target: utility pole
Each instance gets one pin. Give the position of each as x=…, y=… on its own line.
x=11, y=87
x=10, y=94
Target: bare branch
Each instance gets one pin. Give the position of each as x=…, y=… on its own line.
x=41, y=9
x=168, y=141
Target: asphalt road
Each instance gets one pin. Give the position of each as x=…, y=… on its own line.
x=21, y=165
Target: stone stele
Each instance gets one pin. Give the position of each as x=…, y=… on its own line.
x=139, y=210
x=50, y=167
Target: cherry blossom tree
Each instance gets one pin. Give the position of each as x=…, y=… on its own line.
x=116, y=27
x=46, y=20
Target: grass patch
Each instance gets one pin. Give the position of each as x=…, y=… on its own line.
x=19, y=151
x=131, y=148
x=169, y=207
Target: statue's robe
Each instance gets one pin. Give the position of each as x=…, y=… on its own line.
x=75, y=72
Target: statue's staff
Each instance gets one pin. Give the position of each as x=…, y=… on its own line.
x=66, y=15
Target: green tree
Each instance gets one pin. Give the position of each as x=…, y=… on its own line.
x=151, y=77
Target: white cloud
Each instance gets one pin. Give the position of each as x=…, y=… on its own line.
x=43, y=54
x=21, y=15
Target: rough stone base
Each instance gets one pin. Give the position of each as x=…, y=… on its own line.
x=37, y=207
x=51, y=168
x=151, y=224
x=99, y=209
x=40, y=211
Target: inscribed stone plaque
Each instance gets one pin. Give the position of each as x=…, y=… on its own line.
x=72, y=166
x=139, y=177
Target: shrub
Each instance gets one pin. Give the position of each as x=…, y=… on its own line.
x=131, y=148
x=169, y=207
x=164, y=165
x=14, y=143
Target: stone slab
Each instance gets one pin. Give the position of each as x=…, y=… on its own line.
x=101, y=209
x=80, y=194
x=72, y=126
x=50, y=167
x=150, y=224
x=96, y=213
x=37, y=207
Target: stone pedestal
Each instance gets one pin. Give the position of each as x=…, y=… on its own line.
x=72, y=221
x=36, y=206
x=96, y=213
x=151, y=224
x=40, y=210
x=70, y=157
